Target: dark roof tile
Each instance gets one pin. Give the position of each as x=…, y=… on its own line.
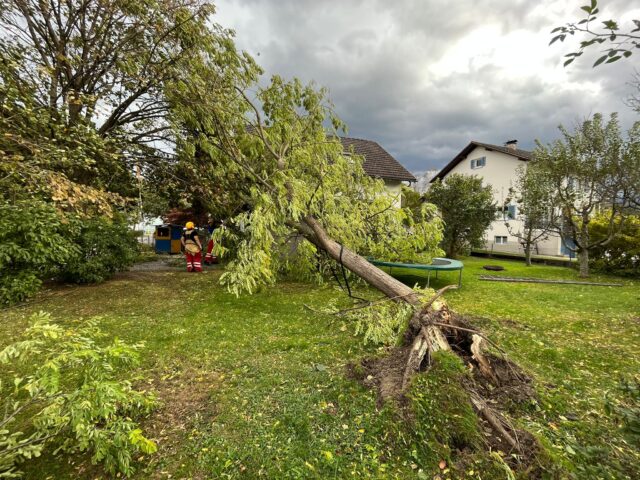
x=377, y=161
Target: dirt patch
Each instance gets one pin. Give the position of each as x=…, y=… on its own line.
x=385, y=374
x=182, y=397
x=185, y=397
x=491, y=394
x=160, y=265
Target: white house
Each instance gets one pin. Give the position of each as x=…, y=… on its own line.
x=379, y=163
x=497, y=166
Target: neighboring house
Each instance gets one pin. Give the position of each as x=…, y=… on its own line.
x=379, y=163
x=497, y=166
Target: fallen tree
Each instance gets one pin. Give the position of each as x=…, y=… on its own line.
x=307, y=206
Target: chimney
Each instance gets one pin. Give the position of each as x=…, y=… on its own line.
x=512, y=144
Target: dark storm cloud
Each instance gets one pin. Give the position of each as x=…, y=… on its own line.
x=400, y=73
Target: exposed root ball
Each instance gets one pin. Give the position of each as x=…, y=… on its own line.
x=494, y=384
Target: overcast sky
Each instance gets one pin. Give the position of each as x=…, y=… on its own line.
x=423, y=78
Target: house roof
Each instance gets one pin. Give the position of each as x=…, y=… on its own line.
x=377, y=161
x=523, y=155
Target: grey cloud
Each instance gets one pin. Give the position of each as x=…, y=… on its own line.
x=372, y=56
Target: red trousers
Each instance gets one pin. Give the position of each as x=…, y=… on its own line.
x=210, y=258
x=194, y=262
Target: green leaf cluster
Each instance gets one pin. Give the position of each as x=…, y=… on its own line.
x=274, y=152
x=592, y=169
x=467, y=209
x=38, y=242
x=67, y=394
x=623, y=42
x=622, y=254
x=34, y=243
x=105, y=246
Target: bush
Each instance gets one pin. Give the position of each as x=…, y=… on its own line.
x=622, y=255
x=34, y=242
x=64, y=395
x=104, y=247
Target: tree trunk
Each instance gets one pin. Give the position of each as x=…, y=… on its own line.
x=423, y=333
x=527, y=247
x=583, y=259
x=316, y=234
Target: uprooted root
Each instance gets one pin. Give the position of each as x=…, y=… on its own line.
x=494, y=384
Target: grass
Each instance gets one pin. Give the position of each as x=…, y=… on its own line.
x=258, y=386
x=577, y=341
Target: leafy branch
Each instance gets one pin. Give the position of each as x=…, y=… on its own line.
x=621, y=43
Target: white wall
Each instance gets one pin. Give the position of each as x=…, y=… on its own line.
x=394, y=189
x=500, y=172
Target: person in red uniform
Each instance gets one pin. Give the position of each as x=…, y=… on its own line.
x=192, y=248
x=210, y=258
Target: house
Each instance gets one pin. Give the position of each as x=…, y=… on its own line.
x=379, y=163
x=497, y=166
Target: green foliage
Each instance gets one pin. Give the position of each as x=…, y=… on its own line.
x=382, y=323
x=65, y=395
x=621, y=255
x=104, y=247
x=70, y=167
x=533, y=193
x=34, y=242
x=626, y=409
x=283, y=163
x=622, y=41
x=592, y=166
x=467, y=209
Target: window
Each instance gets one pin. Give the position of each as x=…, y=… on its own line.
x=500, y=240
x=507, y=212
x=478, y=162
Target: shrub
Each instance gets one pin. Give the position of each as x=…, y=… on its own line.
x=34, y=241
x=622, y=255
x=104, y=247
x=64, y=395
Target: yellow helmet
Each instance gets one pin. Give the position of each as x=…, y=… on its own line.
x=190, y=225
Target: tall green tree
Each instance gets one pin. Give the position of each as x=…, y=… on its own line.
x=536, y=218
x=591, y=170
x=467, y=209
x=95, y=73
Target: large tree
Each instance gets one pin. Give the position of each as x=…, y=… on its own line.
x=591, y=170
x=467, y=209
x=103, y=67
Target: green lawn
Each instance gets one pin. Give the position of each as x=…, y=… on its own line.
x=258, y=386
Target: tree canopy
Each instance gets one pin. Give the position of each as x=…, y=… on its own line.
x=295, y=180
x=533, y=193
x=467, y=209
x=591, y=169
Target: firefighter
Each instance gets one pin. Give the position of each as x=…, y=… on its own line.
x=192, y=248
x=210, y=258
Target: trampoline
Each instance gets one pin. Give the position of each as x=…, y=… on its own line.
x=437, y=264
